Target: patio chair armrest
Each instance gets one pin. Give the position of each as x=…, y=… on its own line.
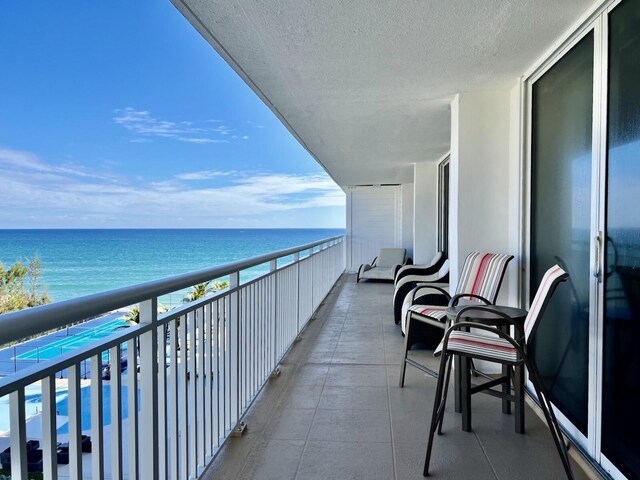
x=427, y=291
x=427, y=286
x=363, y=268
x=487, y=308
x=396, y=269
x=454, y=300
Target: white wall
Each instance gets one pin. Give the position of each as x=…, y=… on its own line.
x=480, y=211
x=425, y=215
x=374, y=221
x=516, y=205
x=407, y=218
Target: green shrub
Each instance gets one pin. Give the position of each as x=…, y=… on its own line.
x=20, y=286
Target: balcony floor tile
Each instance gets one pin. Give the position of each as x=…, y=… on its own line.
x=336, y=411
x=346, y=460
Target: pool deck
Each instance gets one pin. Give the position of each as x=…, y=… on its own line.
x=49, y=346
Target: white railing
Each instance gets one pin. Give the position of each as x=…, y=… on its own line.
x=200, y=366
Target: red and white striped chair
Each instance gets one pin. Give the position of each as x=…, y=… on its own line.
x=480, y=281
x=503, y=349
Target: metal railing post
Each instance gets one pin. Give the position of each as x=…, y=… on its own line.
x=49, y=425
x=312, y=280
x=296, y=258
x=18, y=434
x=273, y=267
x=149, y=468
x=234, y=346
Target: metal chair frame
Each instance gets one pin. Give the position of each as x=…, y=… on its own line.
x=444, y=374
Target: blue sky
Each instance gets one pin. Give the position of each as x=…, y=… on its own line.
x=118, y=114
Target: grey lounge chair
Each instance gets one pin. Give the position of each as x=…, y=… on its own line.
x=384, y=266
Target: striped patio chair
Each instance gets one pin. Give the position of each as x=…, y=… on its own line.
x=408, y=277
x=480, y=281
x=502, y=349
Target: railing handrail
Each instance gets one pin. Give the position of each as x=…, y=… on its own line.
x=18, y=325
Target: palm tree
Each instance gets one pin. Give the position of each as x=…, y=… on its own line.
x=133, y=315
x=203, y=289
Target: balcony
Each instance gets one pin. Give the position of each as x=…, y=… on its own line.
x=292, y=374
x=336, y=410
x=179, y=381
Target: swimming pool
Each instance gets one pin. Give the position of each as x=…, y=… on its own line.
x=63, y=345
x=33, y=406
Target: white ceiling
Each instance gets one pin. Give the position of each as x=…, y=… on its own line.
x=365, y=85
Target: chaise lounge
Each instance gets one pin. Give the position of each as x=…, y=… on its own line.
x=384, y=266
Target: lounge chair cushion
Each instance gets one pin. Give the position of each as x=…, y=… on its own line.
x=390, y=257
x=385, y=266
x=378, y=273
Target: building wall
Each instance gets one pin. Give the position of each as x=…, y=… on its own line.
x=374, y=221
x=425, y=215
x=480, y=211
x=380, y=216
x=407, y=218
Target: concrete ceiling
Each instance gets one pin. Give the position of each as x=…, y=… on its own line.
x=365, y=85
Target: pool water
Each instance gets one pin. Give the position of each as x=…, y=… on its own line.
x=33, y=406
x=57, y=347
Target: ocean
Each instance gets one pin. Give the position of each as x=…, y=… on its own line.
x=81, y=262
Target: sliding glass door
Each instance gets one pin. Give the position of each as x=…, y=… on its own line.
x=584, y=214
x=620, y=442
x=561, y=164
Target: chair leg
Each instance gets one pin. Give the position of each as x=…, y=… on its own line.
x=465, y=392
x=438, y=410
x=552, y=422
x=518, y=389
x=444, y=399
x=403, y=366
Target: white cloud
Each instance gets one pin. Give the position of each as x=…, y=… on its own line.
x=223, y=130
x=17, y=158
x=142, y=123
x=51, y=195
x=203, y=175
x=201, y=140
x=17, y=161
x=146, y=126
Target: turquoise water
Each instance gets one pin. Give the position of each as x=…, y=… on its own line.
x=81, y=262
x=33, y=406
x=57, y=347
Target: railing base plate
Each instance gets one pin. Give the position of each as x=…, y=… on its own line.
x=276, y=372
x=239, y=430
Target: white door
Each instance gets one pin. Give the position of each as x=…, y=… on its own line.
x=374, y=221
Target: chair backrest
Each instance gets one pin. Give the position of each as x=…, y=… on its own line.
x=436, y=258
x=389, y=257
x=415, y=271
x=550, y=281
x=482, y=274
x=444, y=269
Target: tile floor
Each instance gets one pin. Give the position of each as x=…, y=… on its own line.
x=336, y=411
